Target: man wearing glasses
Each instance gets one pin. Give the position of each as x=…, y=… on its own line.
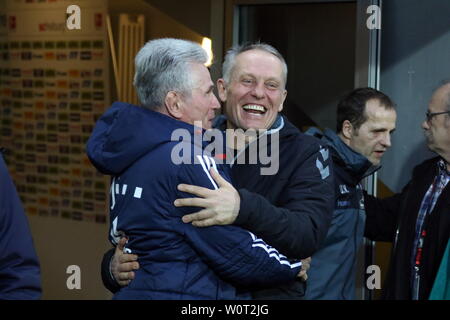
x=417, y=220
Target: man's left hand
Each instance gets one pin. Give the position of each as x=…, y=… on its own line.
x=221, y=206
x=306, y=263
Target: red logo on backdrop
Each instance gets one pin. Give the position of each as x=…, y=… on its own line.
x=12, y=23
x=98, y=20
x=41, y=26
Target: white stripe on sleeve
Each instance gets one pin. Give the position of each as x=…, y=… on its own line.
x=214, y=164
x=206, y=169
x=272, y=252
x=113, y=198
x=208, y=164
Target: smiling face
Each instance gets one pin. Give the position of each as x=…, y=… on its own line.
x=373, y=137
x=256, y=91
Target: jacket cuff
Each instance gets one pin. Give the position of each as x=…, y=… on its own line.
x=245, y=209
x=108, y=279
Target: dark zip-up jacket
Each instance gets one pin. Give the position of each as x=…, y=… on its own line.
x=394, y=219
x=20, y=276
x=291, y=210
x=332, y=272
x=138, y=148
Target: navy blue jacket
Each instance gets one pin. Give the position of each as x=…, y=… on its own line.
x=177, y=260
x=19, y=265
x=332, y=272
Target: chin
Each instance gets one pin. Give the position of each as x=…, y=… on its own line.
x=431, y=147
x=255, y=125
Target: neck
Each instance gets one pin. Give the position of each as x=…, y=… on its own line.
x=344, y=139
x=163, y=110
x=447, y=162
x=446, y=157
x=230, y=125
x=238, y=138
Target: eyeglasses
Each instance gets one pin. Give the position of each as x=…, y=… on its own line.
x=429, y=115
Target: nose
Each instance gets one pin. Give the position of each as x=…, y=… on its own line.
x=215, y=104
x=258, y=91
x=386, y=142
x=425, y=125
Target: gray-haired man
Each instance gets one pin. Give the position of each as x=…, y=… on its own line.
x=135, y=145
x=290, y=209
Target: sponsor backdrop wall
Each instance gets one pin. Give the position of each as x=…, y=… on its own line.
x=54, y=84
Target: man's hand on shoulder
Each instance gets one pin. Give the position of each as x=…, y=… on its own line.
x=221, y=206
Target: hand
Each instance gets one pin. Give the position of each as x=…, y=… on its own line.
x=306, y=263
x=221, y=205
x=123, y=264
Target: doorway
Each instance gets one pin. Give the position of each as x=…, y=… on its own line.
x=330, y=50
x=318, y=42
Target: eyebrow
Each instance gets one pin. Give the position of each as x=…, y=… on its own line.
x=383, y=129
x=253, y=76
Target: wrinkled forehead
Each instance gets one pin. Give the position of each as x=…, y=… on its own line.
x=440, y=100
x=378, y=115
x=258, y=63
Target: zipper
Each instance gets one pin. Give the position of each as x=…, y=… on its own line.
x=246, y=147
x=416, y=283
x=266, y=132
x=396, y=239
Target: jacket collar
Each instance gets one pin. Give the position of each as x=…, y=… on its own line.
x=442, y=165
x=353, y=160
x=220, y=122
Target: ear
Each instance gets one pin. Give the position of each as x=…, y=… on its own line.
x=347, y=130
x=222, y=89
x=280, y=108
x=173, y=104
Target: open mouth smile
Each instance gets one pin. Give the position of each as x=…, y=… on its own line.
x=254, y=108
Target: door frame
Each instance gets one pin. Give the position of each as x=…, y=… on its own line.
x=367, y=74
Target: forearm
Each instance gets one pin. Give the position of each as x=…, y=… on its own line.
x=240, y=257
x=108, y=279
x=294, y=232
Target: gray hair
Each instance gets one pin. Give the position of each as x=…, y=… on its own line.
x=162, y=65
x=230, y=58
